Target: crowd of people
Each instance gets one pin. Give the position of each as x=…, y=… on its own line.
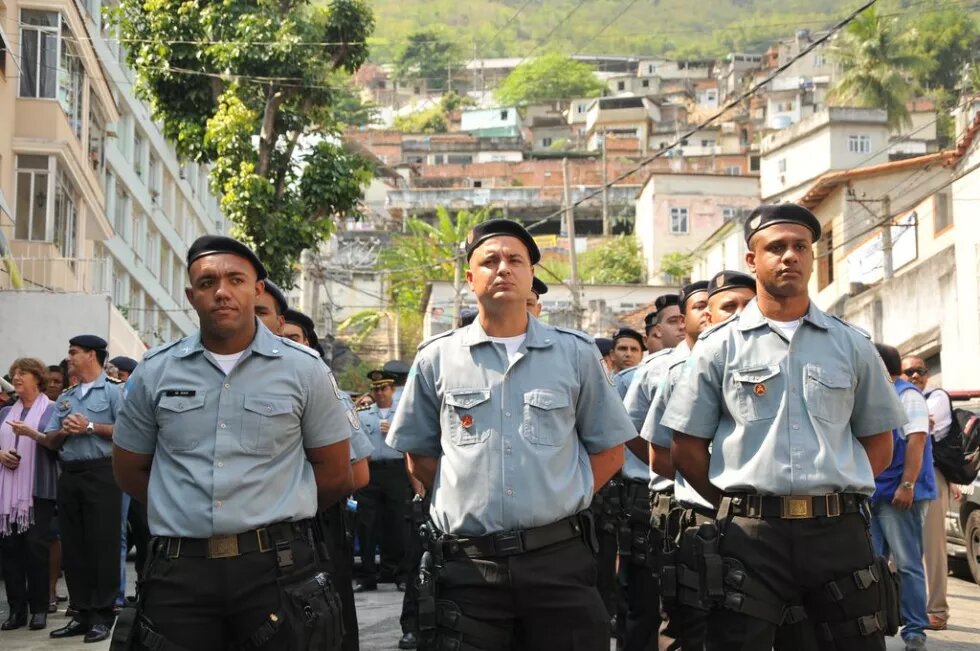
x=525, y=486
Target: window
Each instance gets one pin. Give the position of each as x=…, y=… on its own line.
x=31, y=208
x=139, y=234
x=70, y=81
x=733, y=170
x=96, y=138
x=728, y=213
x=580, y=108
x=153, y=180
x=620, y=85
x=859, y=144
x=65, y=215
x=153, y=250
x=119, y=221
x=678, y=221
x=504, y=115
x=645, y=83
x=177, y=283
x=754, y=163
x=3, y=52
x=546, y=142
x=120, y=286
x=139, y=147
x=707, y=143
x=781, y=166
x=943, y=218
x=651, y=68
x=39, y=53
x=477, y=184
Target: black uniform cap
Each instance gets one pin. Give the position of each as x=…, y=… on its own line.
x=396, y=367
x=690, y=290
x=379, y=378
x=467, y=316
x=306, y=323
x=273, y=290
x=124, y=363
x=650, y=320
x=767, y=215
x=604, y=344
x=730, y=280
x=495, y=227
x=665, y=301
x=212, y=244
x=631, y=333
x=89, y=342
x=538, y=287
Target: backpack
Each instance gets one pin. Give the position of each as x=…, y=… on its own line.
x=957, y=455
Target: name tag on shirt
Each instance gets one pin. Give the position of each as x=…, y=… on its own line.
x=180, y=393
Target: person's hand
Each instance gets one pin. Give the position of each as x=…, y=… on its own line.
x=956, y=492
x=9, y=460
x=903, y=498
x=21, y=428
x=74, y=423
x=384, y=426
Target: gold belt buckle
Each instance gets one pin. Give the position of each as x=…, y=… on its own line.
x=795, y=508
x=223, y=546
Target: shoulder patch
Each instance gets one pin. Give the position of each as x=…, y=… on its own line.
x=306, y=349
x=718, y=326
x=435, y=337
x=363, y=408
x=861, y=331
x=153, y=352
x=578, y=333
x=114, y=380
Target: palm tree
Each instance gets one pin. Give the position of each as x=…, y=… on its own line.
x=876, y=62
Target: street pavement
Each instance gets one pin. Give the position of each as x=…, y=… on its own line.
x=377, y=613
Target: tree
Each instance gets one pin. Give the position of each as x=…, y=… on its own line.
x=252, y=88
x=434, y=119
x=943, y=41
x=430, y=56
x=677, y=266
x=549, y=78
x=876, y=59
x=617, y=261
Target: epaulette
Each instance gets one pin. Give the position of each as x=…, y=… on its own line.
x=153, y=352
x=850, y=325
x=306, y=349
x=578, y=333
x=434, y=337
x=68, y=389
x=363, y=408
x=114, y=380
x=657, y=355
x=718, y=326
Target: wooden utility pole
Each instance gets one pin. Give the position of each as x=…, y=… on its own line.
x=606, y=226
x=888, y=268
x=572, y=257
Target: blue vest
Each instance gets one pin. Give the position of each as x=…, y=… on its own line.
x=889, y=480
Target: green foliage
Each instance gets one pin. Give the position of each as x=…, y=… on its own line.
x=876, y=56
x=235, y=84
x=431, y=120
x=943, y=41
x=353, y=377
x=616, y=261
x=547, y=79
x=676, y=266
x=428, y=55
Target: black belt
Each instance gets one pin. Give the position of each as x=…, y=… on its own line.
x=260, y=541
x=386, y=462
x=796, y=507
x=86, y=464
x=509, y=543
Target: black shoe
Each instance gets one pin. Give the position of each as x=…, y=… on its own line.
x=97, y=633
x=71, y=612
x=72, y=629
x=15, y=621
x=364, y=586
x=408, y=641
x=38, y=621
x=53, y=606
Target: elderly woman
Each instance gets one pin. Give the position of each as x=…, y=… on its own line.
x=28, y=479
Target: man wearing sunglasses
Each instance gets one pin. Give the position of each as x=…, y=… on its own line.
x=916, y=371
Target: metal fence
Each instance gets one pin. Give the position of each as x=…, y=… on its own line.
x=62, y=275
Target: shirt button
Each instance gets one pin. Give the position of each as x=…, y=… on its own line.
x=222, y=426
x=508, y=450
x=221, y=464
x=796, y=426
x=218, y=504
x=275, y=350
x=510, y=492
x=227, y=386
x=507, y=413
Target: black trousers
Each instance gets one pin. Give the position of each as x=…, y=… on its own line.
x=639, y=581
x=335, y=530
x=382, y=518
x=606, y=509
x=409, y=618
x=89, y=511
x=204, y=604
x=796, y=559
x=25, y=562
x=544, y=599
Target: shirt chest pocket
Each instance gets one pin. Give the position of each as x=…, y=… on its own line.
x=180, y=419
x=98, y=409
x=828, y=393
x=269, y=422
x=547, y=417
x=758, y=391
x=467, y=416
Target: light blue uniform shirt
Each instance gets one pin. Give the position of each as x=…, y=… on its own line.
x=784, y=417
x=371, y=420
x=513, y=440
x=360, y=444
x=100, y=405
x=653, y=432
x=229, y=451
x=637, y=400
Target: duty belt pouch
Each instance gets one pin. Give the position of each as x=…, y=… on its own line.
x=889, y=584
x=309, y=616
x=124, y=633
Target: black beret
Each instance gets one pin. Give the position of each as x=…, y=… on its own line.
x=538, y=287
x=690, y=290
x=91, y=342
x=467, y=315
x=211, y=244
x=604, y=344
x=494, y=227
x=380, y=377
x=306, y=323
x=631, y=333
x=650, y=319
x=666, y=301
x=396, y=367
x=273, y=290
x=730, y=280
x=767, y=215
x=124, y=363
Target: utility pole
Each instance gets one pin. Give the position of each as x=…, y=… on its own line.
x=572, y=258
x=606, y=226
x=886, y=239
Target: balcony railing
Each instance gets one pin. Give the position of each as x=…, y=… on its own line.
x=61, y=275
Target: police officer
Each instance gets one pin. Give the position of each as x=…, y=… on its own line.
x=512, y=425
x=89, y=502
x=399, y=370
x=605, y=346
x=382, y=505
x=232, y=434
x=627, y=352
x=124, y=366
x=782, y=417
x=270, y=306
x=667, y=325
x=538, y=289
